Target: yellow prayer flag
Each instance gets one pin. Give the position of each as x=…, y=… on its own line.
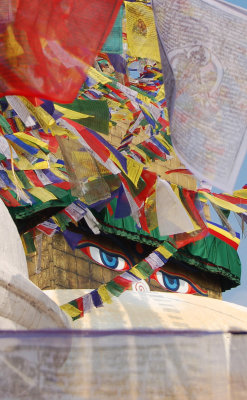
x=45, y=120
x=144, y=98
x=242, y=193
x=70, y=310
x=133, y=167
x=137, y=273
x=19, y=124
x=165, y=143
x=28, y=138
x=161, y=94
x=42, y=194
x=141, y=152
x=134, y=170
x=23, y=164
x=14, y=178
x=151, y=213
x=71, y=114
x=58, y=173
x=98, y=76
x=104, y=294
x=141, y=31
x=41, y=165
x=222, y=203
x=166, y=253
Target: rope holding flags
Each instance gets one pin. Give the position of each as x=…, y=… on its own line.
x=107, y=148
x=103, y=295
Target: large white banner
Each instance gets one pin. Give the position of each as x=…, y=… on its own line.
x=203, y=47
x=113, y=366
x=132, y=365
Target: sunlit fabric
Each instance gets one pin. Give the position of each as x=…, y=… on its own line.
x=146, y=346
x=114, y=365
x=203, y=51
x=46, y=49
x=215, y=256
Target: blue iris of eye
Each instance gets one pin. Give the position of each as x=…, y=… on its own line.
x=170, y=282
x=108, y=260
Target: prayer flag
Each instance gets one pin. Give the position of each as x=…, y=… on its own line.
x=222, y=233
x=141, y=32
x=47, y=48
x=203, y=51
x=114, y=42
x=172, y=216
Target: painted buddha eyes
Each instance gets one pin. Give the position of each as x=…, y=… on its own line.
x=177, y=284
x=118, y=262
x=106, y=258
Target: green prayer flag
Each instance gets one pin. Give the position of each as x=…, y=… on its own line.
x=114, y=42
x=114, y=288
x=29, y=242
x=97, y=111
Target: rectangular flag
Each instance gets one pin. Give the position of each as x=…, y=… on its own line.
x=47, y=46
x=203, y=46
x=222, y=233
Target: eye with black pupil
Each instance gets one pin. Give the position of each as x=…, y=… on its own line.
x=108, y=260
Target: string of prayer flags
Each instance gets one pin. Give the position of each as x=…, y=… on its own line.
x=48, y=227
x=224, y=201
x=98, y=160
x=222, y=233
x=76, y=210
x=114, y=288
x=21, y=110
x=24, y=167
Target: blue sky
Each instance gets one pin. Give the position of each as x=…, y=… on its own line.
x=239, y=295
x=240, y=3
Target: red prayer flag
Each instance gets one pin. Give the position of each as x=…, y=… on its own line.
x=46, y=47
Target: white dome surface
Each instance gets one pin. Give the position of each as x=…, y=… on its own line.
x=157, y=311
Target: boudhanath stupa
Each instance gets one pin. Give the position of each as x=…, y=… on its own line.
x=116, y=123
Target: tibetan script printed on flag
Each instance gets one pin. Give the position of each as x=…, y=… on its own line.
x=203, y=47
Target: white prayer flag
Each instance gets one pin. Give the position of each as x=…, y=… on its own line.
x=171, y=214
x=203, y=47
